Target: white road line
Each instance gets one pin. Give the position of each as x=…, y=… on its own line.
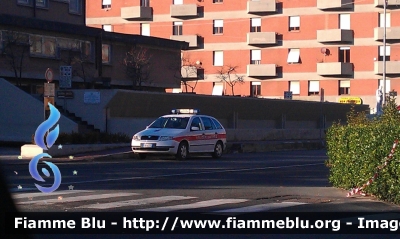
x=209, y=203
x=78, y=198
x=40, y=194
x=260, y=207
x=195, y=173
x=136, y=202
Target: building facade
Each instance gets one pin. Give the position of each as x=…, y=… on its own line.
x=39, y=34
x=316, y=49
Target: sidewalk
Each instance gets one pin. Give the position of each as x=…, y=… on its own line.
x=9, y=155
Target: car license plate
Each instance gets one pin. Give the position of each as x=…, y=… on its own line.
x=147, y=145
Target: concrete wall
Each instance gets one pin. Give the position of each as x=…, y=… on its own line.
x=21, y=114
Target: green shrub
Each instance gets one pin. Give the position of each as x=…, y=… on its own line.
x=356, y=149
x=92, y=138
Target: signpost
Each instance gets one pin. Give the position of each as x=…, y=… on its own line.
x=287, y=95
x=49, y=92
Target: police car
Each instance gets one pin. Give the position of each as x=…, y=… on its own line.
x=182, y=132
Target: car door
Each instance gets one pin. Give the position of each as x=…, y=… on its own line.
x=196, y=135
x=211, y=134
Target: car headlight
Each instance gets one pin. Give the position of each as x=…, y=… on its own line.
x=163, y=138
x=136, y=138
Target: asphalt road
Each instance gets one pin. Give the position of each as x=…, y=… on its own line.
x=290, y=181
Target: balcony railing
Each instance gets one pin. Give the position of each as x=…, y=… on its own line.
x=392, y=33
x=261, y=38
x=192, y=39
x=392, y=67
x=261, y=6
x=184, y=10
x=334, y=35
x=136, y=12
x=261, y=70
x=334, y=4
x=334, y=68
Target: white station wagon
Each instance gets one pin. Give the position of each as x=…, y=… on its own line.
x=180, y=133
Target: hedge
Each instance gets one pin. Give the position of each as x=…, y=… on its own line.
x=356, y=149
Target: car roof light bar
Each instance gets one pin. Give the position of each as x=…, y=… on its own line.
x=185, y=111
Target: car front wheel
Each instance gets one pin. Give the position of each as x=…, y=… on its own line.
x=183, y=151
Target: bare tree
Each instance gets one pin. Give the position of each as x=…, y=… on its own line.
x=80, y=63
x=137, y=63
x=187, y=72
x=16, y=50
x=228, y=74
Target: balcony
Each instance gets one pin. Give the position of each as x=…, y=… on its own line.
x=334, y=68
x=137, y=12
x=261, y=6
x=390, y=3
x=392, y=33
x=334, y=4
x=392, y=67
x=261, y=70
x=334, y=35
x=192, y=39
x=184, y=10
x=261, y=38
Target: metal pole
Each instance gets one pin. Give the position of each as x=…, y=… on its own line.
x=384, y=53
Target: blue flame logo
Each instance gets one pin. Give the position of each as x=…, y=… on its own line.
x=50, y=140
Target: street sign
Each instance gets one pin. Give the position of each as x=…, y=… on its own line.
x=287, y=95
x=65, y=94
x=49, y=89
x=49, y=75
x=91, y=97
x=65, y=76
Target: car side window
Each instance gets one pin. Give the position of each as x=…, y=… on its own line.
x=216, y=123
x=208, y=125
x=196, y=123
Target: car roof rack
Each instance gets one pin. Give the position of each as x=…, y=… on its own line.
x=185, y=111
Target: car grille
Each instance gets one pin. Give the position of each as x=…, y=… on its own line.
x=149, y=137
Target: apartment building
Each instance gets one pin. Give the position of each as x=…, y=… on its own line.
x=39, y=34
x=316, y=49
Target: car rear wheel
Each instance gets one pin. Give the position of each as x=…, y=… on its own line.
x=218, y=150
x=183, y=151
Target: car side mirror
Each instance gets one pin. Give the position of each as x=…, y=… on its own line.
x=194, y=128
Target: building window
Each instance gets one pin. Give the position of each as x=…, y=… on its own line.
x=75, y=6
x=107, y=28
x=218, y=88
x=42, y=3
x=218, y=58
x=218, y=1
x=382, y=20
x=344, y=87
x=344, y=21
x=313, y=87
x=36, y=45
x=294, y=23
x=105, y=53
x=145, y=3
x=106, y=4
x=344, y=54
x=382, y=54
x=49, y=47
x=294, y=87
x=177, y=28
x=178, y=2
x=86, y=49
x=218, y=26
x=255, y=88
x=42, y=46
x=387, y=85
x=24, y=2
x=293, y=56
x=145, y=29
x=39, y=3
x=255, y=25
x=255, y=57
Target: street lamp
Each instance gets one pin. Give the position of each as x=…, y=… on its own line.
x=384, y=53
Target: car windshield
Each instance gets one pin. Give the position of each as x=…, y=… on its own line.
x=170, y=122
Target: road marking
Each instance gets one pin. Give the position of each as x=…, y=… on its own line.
x=194, y=173
x=40, y=194
x=260, y=207
x=79, y=198
x=136, y=202
x=202, y=204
